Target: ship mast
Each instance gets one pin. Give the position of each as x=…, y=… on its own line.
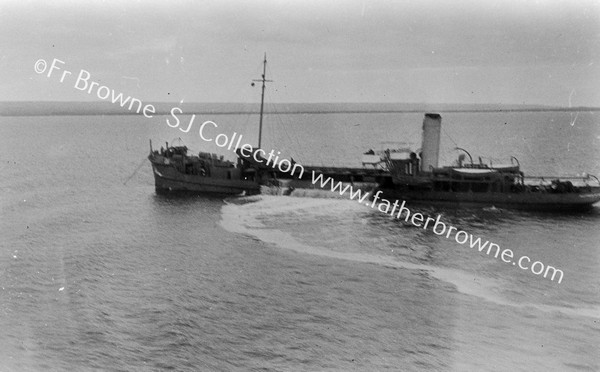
x=262, y=98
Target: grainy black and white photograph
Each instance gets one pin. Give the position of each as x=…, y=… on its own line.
x=286, y=185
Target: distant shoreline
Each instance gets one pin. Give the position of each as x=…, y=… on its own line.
x=53, y=108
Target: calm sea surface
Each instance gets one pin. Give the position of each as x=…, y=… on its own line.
x=97, y=273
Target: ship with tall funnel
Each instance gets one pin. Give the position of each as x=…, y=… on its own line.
x=417, y=177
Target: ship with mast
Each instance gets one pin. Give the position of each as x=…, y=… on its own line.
x=402, y=173
x=177, y=170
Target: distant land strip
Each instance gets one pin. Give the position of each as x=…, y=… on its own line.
x=48, y=108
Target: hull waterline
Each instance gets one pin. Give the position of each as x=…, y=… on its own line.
x=521, y=201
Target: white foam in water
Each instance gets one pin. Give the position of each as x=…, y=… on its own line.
x=244, y=219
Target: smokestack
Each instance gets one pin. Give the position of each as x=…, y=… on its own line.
x=432, y=125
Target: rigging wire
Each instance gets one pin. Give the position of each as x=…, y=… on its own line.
x=292, y=140
x=135, y=171
x=273, y=110
x=451, y=139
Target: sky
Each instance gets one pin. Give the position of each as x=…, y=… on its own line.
x=464, y=51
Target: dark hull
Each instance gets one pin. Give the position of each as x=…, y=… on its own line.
x=524, y=201
x=167, y=179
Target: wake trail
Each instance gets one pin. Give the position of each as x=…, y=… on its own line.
x=245, y=219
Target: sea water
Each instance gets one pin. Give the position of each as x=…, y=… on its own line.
x=97, y=272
